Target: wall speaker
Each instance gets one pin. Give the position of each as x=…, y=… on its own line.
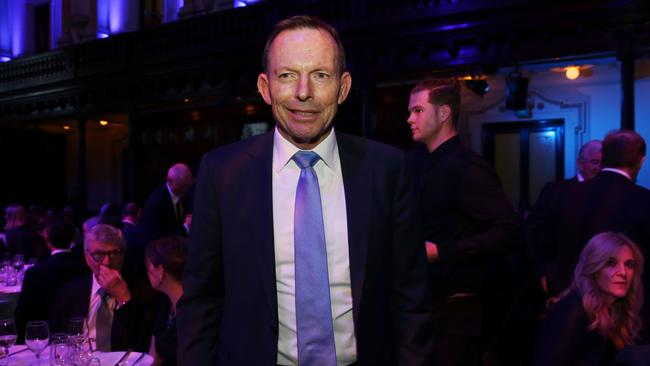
x=516, y=92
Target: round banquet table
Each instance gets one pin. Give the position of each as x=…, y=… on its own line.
x=20, y=355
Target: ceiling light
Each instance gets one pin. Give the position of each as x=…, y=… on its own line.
x=66, y=127
x=103, y=123
x=572, y=72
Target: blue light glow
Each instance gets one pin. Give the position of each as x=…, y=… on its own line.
x=243, y=3
x=5, y=59
x=102, y=35
x=17, y=10
x=452, y=27
x=55, y=21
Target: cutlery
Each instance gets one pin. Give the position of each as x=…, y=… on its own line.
x=17, y=352
x=139, y=359
x=126, y=355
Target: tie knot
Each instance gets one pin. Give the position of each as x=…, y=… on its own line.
x=305, y=159
x=102, y=293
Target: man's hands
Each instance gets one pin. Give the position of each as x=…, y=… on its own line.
x=111, y=281
x=432, y=252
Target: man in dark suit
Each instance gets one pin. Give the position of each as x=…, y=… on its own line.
x=470, y=226
x=244, y=281
x=135, y=238
x=589, y=164
x=42, y=281
x=116, y=319
x=608, y=202
x=168, y=206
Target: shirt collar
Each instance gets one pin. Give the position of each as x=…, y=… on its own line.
x=619, y=171
x=283, y=151
x=57, y=251
x=96, y=286
x=175, y=198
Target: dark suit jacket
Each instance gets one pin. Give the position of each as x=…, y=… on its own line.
x=159, y=214
x=535, y=222
x=464, y=211
x=607, y=202
x=633, y=356
x=130, y=329
x=41, y=284
x=228, y=313
x=565, y=340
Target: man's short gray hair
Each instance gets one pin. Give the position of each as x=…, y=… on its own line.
x=103, y=233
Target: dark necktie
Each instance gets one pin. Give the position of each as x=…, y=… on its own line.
x=103, y=323
x=179, y=213
x=314, y=326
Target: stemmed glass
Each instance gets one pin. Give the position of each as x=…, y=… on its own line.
x=18, y=262
x=78, y=336
x=37, y=336
x=7, y=336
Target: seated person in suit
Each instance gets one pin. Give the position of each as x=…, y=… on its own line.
x=116, y=319
x=22, y=238
x=42, y=281
x=165, y=259
x=599, y=313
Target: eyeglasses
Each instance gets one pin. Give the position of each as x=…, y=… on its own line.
x=99, y=256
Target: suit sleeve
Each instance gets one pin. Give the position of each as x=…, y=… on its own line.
x=200, y=308
x=495, y=225
x=411, y=295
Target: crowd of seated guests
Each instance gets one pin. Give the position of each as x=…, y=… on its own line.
x=102, y=268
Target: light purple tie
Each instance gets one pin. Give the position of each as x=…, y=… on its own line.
x=313, y=311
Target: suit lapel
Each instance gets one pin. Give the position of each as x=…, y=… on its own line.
x=356, y=180
x=261, y=153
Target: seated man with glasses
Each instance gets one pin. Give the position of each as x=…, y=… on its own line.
x=116, y=319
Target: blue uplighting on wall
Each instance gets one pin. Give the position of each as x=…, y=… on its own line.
x=5, y=59
x=243, y=3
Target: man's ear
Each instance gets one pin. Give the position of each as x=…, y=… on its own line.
x=444, y=113
x=346, y=84
x=263, y=87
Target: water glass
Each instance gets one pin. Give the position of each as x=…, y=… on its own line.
x=18, y=262
x=7, y=336
x=37, y=337
x=11, y=277
x=60, y=353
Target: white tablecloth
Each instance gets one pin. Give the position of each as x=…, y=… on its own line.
x=26, y=357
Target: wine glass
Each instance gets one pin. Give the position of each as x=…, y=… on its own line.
x=77, y=336
x=18, y=262
x=37, y=336
x=7, y=336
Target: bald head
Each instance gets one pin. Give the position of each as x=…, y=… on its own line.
x=590, y=158
x=179, y=178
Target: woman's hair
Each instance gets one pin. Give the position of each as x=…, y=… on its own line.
x=170, y=253
x=15, y=216
x=621, y=323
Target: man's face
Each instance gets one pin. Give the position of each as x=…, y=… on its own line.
x=303, y=85
x=424, y=118
x=98, y=254
x=180, y=185
x=615, y=278
x=589, y=164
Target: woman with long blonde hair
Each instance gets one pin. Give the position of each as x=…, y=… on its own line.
x=599, y=313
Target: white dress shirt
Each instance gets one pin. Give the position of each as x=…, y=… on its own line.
x=330, y=180
x=95, y=301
